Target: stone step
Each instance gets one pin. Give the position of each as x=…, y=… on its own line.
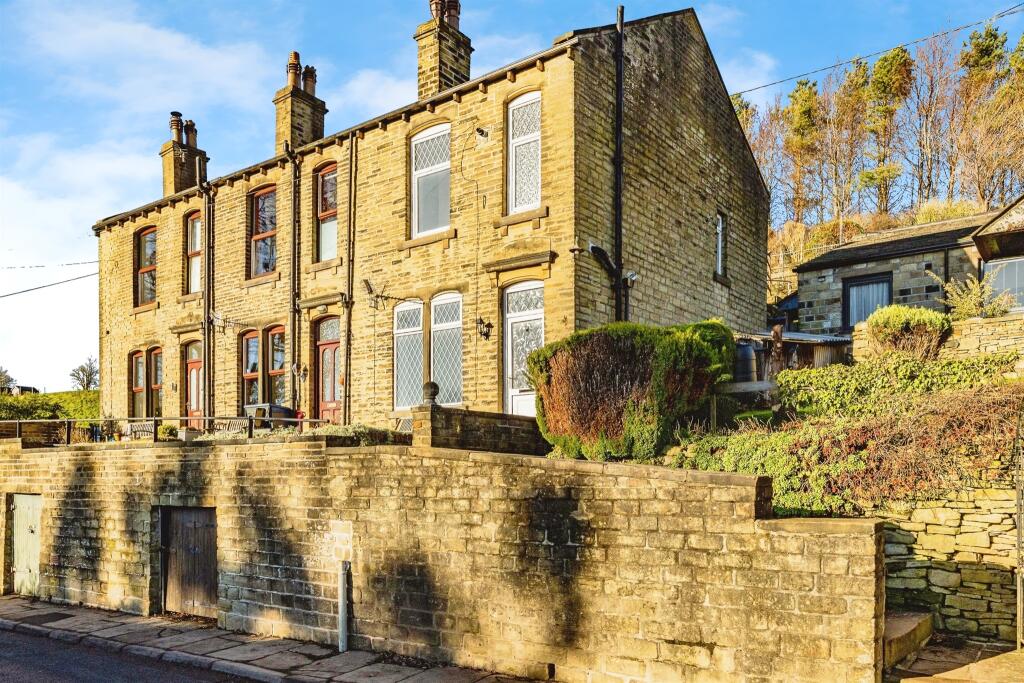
x=905, y=633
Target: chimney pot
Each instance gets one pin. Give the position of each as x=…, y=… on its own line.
x=451, y=15
x=176, y=126
x=191, y=133
x=293, y=70
x=309, y=80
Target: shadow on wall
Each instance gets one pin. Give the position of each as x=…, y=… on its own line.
x=407, y=585
x=77, y=544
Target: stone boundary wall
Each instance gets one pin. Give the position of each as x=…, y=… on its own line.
x=575, y=571
x=955, y=558
x=442, y=427
x=977, y=336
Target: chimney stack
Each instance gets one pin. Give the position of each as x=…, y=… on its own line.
x=444, y=51
x=178, y=157
x=300, y=114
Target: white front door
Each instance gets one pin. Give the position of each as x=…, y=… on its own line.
x=27, y=520
x=523, y=333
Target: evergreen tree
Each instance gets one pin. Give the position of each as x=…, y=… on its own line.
x=890, y=84
x=745, y=112
x=801, y=144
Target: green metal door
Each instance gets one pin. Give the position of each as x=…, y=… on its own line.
x=27, y=515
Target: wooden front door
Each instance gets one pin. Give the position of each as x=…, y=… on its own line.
x=194, y=384
x=190, y=552
x=27, y=511
x=328, y=370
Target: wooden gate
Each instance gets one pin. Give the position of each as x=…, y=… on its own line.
x=25, y=558
x=190, y=561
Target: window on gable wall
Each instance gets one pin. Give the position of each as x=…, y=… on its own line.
x=145, y=267
x=193, y=253
x=431, y=180
x=327, y=214
x=408, y=361
x=524, y=153
x=263, y=233
x=446, y=347
x=720, y=244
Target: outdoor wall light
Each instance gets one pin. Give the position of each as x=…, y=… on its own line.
x=484, y=328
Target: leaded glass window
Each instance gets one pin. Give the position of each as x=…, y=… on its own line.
x=408, y=362
x=524, y=153
x=431, y=180
x=446, y=347
x=329, y=330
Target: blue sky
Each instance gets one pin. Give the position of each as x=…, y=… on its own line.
x=85, y=88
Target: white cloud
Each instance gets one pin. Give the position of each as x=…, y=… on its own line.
x=749, y=69
x=99, y=51
x=717, y=19
x=368, y=93
x=494, y=50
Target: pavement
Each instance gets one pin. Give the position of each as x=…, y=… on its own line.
x=195, y=643
x=954, y=660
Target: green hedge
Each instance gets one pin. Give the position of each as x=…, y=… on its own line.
x=910, y=329
x=619, y=391
x=875, y=384
x=78, y=405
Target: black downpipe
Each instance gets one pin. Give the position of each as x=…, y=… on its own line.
x=618, y=161
x=293, y=158
x=208, y=192
x=350, y=279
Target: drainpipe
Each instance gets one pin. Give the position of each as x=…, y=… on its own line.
x=293, y=158
x=350, y=254
x=618, y=162
x=208, y=192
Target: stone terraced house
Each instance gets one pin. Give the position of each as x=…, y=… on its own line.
x=441, y=241
x=842, y=287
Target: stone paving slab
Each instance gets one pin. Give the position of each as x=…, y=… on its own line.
x=196, y=643
x=946, y=660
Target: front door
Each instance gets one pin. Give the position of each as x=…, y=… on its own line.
x=194, y=384
x=523, y=334
x=328, y=370
x=27, y=516
x=190, y=559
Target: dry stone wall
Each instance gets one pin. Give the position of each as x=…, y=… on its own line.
x=955, y=558
x=576, y=571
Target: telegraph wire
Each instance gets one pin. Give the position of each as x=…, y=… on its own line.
x=50, y=265
x=998, y=15
x=51, y=284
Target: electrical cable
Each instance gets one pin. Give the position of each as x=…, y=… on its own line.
x=51, y=284
x=50, y=265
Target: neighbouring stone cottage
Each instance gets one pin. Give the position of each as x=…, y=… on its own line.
x=844, y=286
x=441, y=241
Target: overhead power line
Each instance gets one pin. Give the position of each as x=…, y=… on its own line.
x=50, y=265
x=51, y=284
x=998, y=15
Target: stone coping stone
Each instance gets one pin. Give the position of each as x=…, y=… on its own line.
x=822, y=525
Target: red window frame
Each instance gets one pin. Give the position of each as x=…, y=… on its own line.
x=272, y=372
x=248, y=376
x=254, y=236
x=191, y=253
x=155, y=398
x=322, y=213
x=136, y=387
x=140, y=269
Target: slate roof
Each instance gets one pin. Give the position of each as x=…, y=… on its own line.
x=915, y=239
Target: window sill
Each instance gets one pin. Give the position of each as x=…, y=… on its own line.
x=522, y=217
x=151, y=306
x=440, y=236
x=722, y=279
x=321, y=265
x=262, y=279
x=194, y=296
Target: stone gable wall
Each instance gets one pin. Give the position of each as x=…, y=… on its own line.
x=524, y=565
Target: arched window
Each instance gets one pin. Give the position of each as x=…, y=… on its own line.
x=431, y=180
x=327, y=214
x=194, y=390
x=263, y=232
x=408, y=361
x=193, y=253
x=276, y=372
x=250, y=368
x=145, y=266
x=156, y=382
x=446, y=347
x=138, y=373
x=524, y=153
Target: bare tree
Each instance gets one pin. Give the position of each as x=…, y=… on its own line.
x=87, y=375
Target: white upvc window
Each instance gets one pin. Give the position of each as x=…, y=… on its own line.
x=719, y=244
x=446, y=347
x=1008, y=277
x=431, y=180
x=408, y=361
x=524, y=153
